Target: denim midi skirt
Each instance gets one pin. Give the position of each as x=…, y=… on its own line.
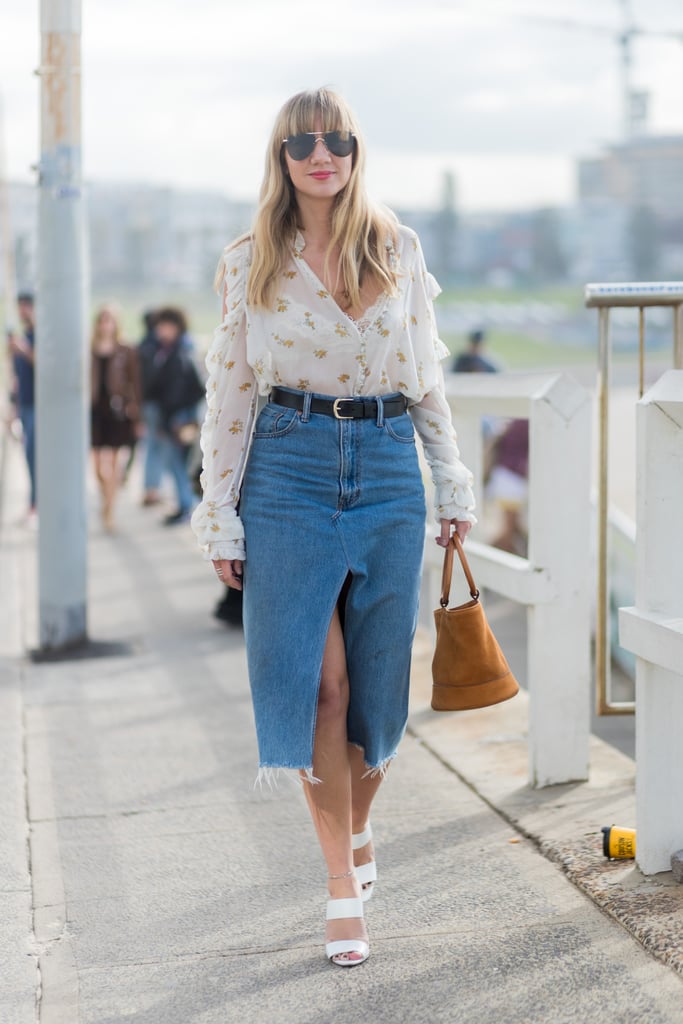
x=324, y=500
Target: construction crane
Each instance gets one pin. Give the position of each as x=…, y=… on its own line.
x=634, y=110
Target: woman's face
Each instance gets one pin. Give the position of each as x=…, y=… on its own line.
x=106, y=324
x=320, y=175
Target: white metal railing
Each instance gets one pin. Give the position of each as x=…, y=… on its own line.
x=604, y=298
x=653, y=629
x=554, y=580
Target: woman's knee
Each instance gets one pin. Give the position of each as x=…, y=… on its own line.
x=333, y=698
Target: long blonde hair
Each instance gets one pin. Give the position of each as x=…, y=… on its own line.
x=360, y=230
x=112, y=310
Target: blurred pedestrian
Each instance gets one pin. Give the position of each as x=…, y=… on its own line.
x=151, y=414
x=473, y=360
x=174, y=384
x=229, y=608
x=115, y=406
x=328, y=311
x=508, y=485
x=22, y=350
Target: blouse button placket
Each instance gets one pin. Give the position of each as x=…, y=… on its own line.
x=362, y=364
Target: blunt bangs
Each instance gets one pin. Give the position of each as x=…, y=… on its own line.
x=305, y=107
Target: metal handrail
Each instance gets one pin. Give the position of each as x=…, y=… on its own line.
x=604, y=297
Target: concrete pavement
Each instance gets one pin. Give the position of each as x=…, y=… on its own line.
x=158, y=886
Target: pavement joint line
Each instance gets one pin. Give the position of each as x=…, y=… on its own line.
x=35, y=954
x=473, y=789
x=138, y=813
x=386, y=939
x=57, y=991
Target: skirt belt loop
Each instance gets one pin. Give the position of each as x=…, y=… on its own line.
x=380, y=411
x=306, y=411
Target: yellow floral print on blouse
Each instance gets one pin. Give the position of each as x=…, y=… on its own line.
x=307, y=342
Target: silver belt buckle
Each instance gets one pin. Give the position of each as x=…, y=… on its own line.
x=335, y=409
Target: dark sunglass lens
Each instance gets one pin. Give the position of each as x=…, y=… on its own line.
x=300, y=146
x=339, y=143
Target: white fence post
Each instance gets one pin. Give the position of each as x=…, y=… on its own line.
x=653, y=630
x=555, y=581
x=559, y=539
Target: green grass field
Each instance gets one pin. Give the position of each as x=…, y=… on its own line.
x=571, y=297
x=512, y=350
x=515, y=350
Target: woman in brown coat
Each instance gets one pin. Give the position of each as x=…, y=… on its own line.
x=115, y=405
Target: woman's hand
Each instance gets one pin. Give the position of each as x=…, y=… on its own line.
x=461, y=528
x=229, y=573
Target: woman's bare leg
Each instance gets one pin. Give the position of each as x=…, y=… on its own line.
x=363, y=791
x=107, y=474
x=99, y=461
x=329, y=800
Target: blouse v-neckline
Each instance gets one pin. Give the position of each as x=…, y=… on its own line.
x=367, y=317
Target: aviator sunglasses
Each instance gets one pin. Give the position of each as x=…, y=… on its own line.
x=337, y=143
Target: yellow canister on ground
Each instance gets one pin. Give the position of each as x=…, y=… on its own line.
x=618, y=843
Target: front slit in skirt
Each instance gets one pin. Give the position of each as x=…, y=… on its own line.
x=323, y=499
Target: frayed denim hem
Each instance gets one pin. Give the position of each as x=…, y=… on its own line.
x=373, y=770
x=270, y=775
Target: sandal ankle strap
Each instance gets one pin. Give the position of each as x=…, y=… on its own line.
x=361, y=838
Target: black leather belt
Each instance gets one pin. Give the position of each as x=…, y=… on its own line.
x=341, y=408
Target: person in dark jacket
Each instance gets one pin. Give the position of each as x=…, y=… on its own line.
x=22, y=348
x=174, y=384
x=151, y=414
x=473, y=360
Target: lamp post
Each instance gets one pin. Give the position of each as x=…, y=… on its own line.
x=62, y=437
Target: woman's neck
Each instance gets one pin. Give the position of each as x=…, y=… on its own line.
x=315, y=222
x=104, y=345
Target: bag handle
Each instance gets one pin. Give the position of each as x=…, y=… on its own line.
x=455, y=544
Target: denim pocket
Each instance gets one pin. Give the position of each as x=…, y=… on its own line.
x=400, y=428
x=275, y=421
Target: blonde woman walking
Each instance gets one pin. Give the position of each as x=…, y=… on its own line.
x=115, y=406
x=328, y=312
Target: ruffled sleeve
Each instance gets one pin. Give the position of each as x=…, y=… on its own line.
x=422, y=354
x=231, y=396
x=453, y=495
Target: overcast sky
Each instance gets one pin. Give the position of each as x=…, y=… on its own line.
x=184, y=93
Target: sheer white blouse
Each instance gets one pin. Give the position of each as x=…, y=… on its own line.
x=307, y=342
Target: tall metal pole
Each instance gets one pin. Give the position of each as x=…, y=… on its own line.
x=61, y=439
x=626, y=65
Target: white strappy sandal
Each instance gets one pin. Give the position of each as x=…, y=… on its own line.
x=365, y=873
x=336, y=909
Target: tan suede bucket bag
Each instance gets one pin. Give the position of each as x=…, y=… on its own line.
x=469, y=669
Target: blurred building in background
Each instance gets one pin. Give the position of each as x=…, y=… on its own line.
x=633, y=192
x=141, y=236
x=643, y=171
x=626, y=224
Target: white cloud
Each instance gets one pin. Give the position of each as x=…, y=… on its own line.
x=185, y=94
